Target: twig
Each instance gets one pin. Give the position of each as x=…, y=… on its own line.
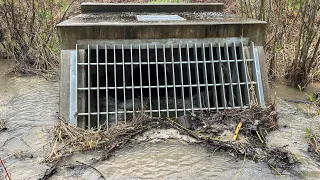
x=244, y=160
x=261, y=140
x=278, y=172
x=89, y=166
x=194, y=133
x=49, y=173
x=5, y=169
x=65, y=13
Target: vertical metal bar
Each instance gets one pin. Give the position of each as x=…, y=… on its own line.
x=73, y=101
x=132, y=83
x=182, y=84
x=115, y=83
x=213, y=77
x=149, y=79
x=82, y=98
x=124, y=85
x=76, y=92
x=245, y=75
x=189, y=77
x=157, y=74
x=236, y=68
x=141, y=88
x=257, y=74
x=107, y=97
x=98, y=88
x=165, y=78
x=174, y=82
x=226, y=55
x=89, y=88
x=224, y=103
x=261, y=93
x=197, y=76
x=205, y=78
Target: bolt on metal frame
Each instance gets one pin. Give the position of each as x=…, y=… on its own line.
x=195, y=77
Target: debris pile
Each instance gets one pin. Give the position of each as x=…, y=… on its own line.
x=69, y=139
x=212, y=130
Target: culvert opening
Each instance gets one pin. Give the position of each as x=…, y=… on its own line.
x=162, y=80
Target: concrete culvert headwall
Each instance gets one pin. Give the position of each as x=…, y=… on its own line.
x=203, y=64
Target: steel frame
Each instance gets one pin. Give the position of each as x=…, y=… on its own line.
x=227, y=79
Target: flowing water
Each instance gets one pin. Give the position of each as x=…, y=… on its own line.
x=172, y=160
x=30, y=106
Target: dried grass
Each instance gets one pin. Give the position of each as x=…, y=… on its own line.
x=69, y=139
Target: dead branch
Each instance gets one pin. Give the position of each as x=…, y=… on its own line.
x=5, y=169
x=207, y=128
x=49, y=173
x=95, y=169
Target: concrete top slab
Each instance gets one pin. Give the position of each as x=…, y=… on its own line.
x=101, y=21
x=130, y=19
x=151, y=7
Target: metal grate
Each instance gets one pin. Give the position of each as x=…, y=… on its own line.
x=113, y=82
x=160, y=17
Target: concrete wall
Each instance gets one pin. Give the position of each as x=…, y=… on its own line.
x=154, y=8
x=64, y=84
x=64, y=102
x=69, y=34
x=264, y=75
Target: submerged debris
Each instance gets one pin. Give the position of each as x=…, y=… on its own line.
x=317, y=99
x=314, y=149
x=3, y=125
x=213, y=130
x=20, y=154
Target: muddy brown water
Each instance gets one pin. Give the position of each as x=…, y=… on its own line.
x=30, y=105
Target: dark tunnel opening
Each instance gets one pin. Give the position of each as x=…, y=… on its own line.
x=123, y=74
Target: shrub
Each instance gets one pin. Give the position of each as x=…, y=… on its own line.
x=292, y=46
x=29, y=34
